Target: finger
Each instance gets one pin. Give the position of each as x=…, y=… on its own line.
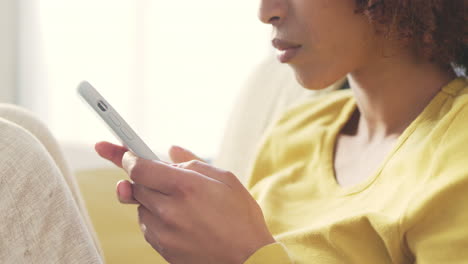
x=150, y=227
x=125, y=192
x=210, y=171
x=152, y=200
x=179, y=154
x=111, y=152
x=156, y=175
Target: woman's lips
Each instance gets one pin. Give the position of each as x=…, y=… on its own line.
x=287, y=54
x=286, y=50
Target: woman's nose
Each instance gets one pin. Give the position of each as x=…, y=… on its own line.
x=272, y=11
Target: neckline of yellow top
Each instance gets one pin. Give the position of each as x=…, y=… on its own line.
x=450, y=89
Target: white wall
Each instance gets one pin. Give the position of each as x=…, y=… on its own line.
x=8, y=40
x=171, y=69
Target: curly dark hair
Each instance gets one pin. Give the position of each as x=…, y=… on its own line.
x=438, y=29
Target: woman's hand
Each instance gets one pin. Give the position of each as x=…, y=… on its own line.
x=190, y=212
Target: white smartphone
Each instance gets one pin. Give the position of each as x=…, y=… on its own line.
x=115, y=122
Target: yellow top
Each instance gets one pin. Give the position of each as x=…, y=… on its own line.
x=413, y=209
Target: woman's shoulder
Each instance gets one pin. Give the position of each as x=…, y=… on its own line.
x=449, y=136
x=457, y=90
x=455, y=111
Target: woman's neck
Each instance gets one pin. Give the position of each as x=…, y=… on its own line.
x=392, y=92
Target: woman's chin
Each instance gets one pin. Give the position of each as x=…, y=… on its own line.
x=314, y=81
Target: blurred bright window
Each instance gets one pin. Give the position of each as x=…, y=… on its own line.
x=171, y=68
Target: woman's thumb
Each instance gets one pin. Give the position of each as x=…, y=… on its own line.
x=179, y=155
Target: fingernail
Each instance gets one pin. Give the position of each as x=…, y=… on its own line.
x=97, y=147
x=117, y=187
x=178, y=148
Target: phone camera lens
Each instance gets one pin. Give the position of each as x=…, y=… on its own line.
x=102, y=106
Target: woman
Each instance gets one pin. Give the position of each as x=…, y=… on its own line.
x=376, y=174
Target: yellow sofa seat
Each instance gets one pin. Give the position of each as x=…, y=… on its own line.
x=116, y=224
